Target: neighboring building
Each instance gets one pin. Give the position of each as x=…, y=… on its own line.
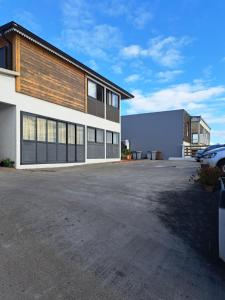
x=54, y=111
x=169, y=132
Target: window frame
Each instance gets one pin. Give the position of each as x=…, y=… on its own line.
x=94, y=129
x=109, y=100
x=46, y=128
x=116, y=133
x=98, y=85
x=109, y=132
x=35, y=128
x=96, y=136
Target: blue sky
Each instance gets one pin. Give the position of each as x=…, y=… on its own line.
x=169, y=54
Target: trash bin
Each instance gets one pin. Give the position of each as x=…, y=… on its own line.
x=222, y=220
x=134, y=155
x=159, y=155
x=154, y=155
x=139, y=154
x=149, y=155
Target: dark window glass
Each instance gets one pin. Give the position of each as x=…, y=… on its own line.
x=91, y=135
x=100, y=93
x=109, y=137
x=3, y=57
x=99, y=136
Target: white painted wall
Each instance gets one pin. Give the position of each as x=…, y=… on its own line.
x=7, y=132
x=36, y=106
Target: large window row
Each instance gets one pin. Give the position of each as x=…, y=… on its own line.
x=96, y=92
x=95, y=135
x=51, y=131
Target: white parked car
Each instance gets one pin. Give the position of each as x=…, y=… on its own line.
x=215, y=158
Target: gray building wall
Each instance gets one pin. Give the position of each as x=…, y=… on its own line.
x=7, y=132
x=161, y=131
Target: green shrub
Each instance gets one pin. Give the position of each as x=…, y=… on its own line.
x=7, y=163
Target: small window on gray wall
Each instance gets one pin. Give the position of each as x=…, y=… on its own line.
x=71, y=134
x=29, y=128
x=61, y=133
x=41, y=130
x=80, y=135
x=91, y=135
x=99, y=136
x=115, y=138
x=109, y=137
x=51, y=131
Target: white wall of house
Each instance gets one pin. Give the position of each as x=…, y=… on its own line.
x=36, y=106
x=7, y=132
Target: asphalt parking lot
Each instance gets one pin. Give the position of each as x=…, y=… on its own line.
x=136, y=230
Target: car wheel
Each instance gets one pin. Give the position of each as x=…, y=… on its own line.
x=221, y=165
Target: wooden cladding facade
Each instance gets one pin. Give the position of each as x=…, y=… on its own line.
x=45, y=76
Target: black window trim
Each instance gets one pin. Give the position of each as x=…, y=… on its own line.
x=96, y=83
x=113, y=92
x=96, y=128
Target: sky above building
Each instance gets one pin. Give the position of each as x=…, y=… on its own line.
x=169, y=54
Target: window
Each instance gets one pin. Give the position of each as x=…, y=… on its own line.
x=100, y=93
x=29, y=128
x=92, y=89
x=3, y=57
x=109, y=97
x=195, y=138
x=91, y=135
x=71, y=134
x=115, y=138
x=61, y=133
x=99, y=136
x=41, y=130
x=51, y=131
x=80, y=135
x=109, y=137
x=95, y=91
x=115, y=100
x=112, y=99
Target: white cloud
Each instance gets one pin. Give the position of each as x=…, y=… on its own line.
x=218, y=136
x=139, y=16
x=133, y=78
x=165, y=51
x=93, y=64
x=166, y=76
x=117, y=69
x=82, y=33
x=27, y=19
x=187, y=96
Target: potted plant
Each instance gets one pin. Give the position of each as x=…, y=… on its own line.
x=209, y=177
x=126, y=154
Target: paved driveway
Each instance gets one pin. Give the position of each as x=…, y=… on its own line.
x=135, y=230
